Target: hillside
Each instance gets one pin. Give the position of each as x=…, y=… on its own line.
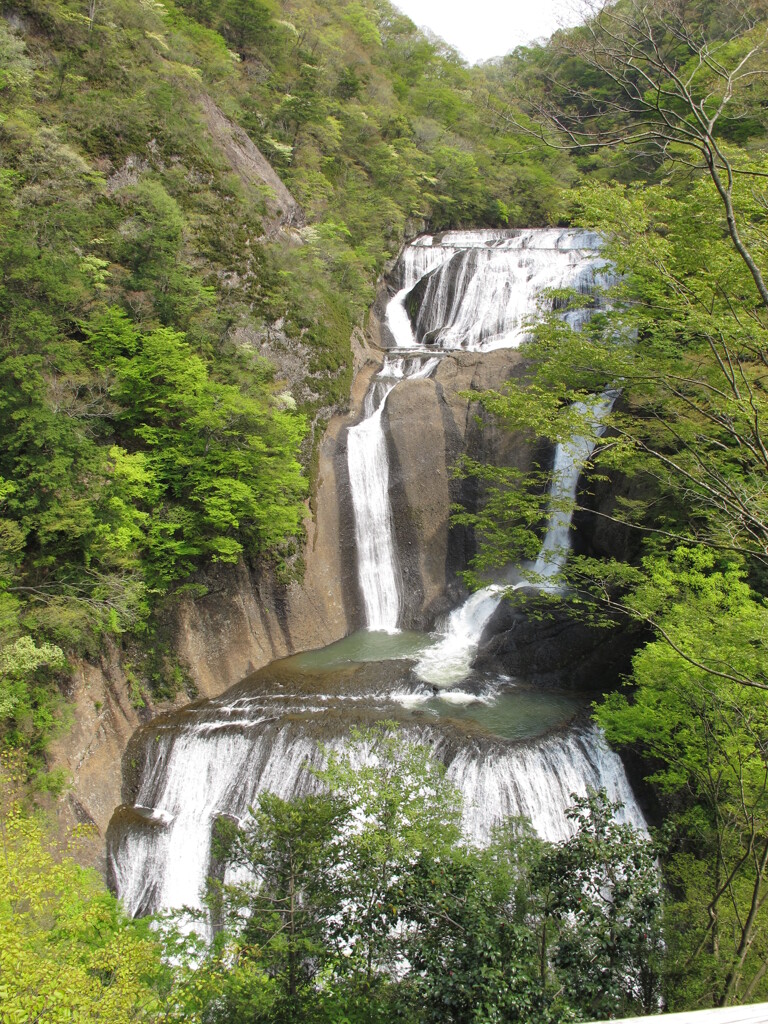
x=196, y=204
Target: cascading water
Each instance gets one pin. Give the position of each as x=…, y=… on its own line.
x=449, y=660
x=480, y=291
x=483, y=293
x=415, y=262
x=377, y=564
x=194, y=768
x=510, y=750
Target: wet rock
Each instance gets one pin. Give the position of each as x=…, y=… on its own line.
x=429, y=424
x=541, y=642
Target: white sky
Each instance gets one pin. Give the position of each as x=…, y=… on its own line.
x=480, y=29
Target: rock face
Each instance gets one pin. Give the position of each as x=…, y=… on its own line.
x=103, y=719
x=430, y=423
x=547, y=647
x=252, y=167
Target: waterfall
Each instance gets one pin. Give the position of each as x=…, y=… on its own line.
x=189, y=779
x=449, y=660
x=537, y=782
x=484, y=294
x=481, y=290
x=184, y=771
x=570, y=458
x=415, y=262
x=378, y=568
x=195, y=774
x=377, y=565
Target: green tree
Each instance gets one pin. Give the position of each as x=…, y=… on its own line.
x=706, y=738
x=676, y=81
x=222, y=464
x=28, y=708
x=67, y=953
x=405, y=810
x=365, y=904
x=603, y=896
x=249, y=24
x=471, y=950
x=291, y=854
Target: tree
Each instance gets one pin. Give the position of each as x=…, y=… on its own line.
x=365, y=905
x=705, y=738
x=291, y=856
x=673, y=78
x=222, y=466
x=603, y=895
x=67, y=953
x=27, y=709
x=404, y=810
x=249, y=24
x=682, y=336
x=470, y=943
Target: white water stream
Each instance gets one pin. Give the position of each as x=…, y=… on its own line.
x=448, y=661
x=378, y=568
x=191, y=775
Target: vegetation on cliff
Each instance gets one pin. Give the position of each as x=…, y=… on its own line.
x=172, y=336
x=682, y=338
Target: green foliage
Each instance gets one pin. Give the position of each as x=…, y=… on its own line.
x=67, y=953
x=472, y=956
x=404, y=811
x=217, y=467
x=148, y=465
x=289, y=849
x=705, y=735
x=604, y=896
x=28, y=707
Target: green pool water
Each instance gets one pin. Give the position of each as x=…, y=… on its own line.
x=498, y=706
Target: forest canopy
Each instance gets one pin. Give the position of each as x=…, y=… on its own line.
x=674, y=94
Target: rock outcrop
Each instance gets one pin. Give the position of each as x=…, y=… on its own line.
x=430, y=423
x=248, y=162
x=542, y=643
x=104, y=710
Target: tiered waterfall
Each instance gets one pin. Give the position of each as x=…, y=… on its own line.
x=508, y=749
